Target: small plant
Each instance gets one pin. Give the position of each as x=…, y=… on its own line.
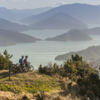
x=40, y=96
x=25, y=97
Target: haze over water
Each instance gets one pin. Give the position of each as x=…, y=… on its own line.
x=43, y=52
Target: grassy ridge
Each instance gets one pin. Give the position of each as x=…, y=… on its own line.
x=74, y=80
x=30, y=82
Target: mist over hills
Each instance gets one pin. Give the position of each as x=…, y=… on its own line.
x=76, y=35
x=71, y=16
x=7, y=25
x=89, y=54
x=89, y=14
x=82, y=13
x=17, y=14
x=10, y=32
x=72, y=35
x=62, y=16
x=8, y=37
x=94, y=31
x=58, y=21
x=54, y=19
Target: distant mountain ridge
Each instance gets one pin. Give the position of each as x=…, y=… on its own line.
x=91, y=54
x=7, y=25
x=94, y=31
x=17, y=14
x=89, y=14
x=57, y=20
x=83, y=13
x=50, y=18
x=72, y=35
x=76, y=35
x=8, y=37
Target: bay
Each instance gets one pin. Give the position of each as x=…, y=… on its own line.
x=43, y=52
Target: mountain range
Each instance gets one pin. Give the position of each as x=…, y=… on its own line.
x=74, y=17
x=17, y=14
x=70, y=16
x=89, y=14
x=66, y=16
x=54, y=19
x=58, y=21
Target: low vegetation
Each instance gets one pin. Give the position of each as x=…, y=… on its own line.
x=74, y=80
x=86, y=78
x=30, y=82
x=5, y=61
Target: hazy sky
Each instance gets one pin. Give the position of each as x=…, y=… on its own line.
x=22, y=4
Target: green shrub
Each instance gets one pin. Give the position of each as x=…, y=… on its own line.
x=5, y=60
x=49, y=70
x=79, y=71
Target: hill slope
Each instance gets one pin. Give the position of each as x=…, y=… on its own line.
x=7, y=25
x=54, y=18
x=27, y=84
x=72, y=35
x=89, y=54
x=17, y=14
x=89, y=14
x=94, y=31
x=8, y=37
x=52, y=82
x=58, y=21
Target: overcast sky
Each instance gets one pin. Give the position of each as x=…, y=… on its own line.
x=23, y=4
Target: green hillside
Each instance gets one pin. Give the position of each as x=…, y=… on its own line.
x=74, y=80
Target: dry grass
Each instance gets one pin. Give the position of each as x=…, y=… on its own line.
x=12, y=96
x=35, y=86
x=47, y=96
x=25, y=83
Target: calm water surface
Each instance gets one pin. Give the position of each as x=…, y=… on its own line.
x=43, y=52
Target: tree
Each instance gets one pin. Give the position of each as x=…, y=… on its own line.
x=5, y=60
x=9, y=63
x=7, y=55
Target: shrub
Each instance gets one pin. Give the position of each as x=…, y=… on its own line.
x=79, y=71
x=49, y=70
x=5, y=60
x=25, y=97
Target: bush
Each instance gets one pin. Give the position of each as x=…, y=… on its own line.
x=79, y=71
x=5, y=60
x=25, y=97
x=49, y=70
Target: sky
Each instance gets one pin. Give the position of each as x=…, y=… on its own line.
x=25, y=4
